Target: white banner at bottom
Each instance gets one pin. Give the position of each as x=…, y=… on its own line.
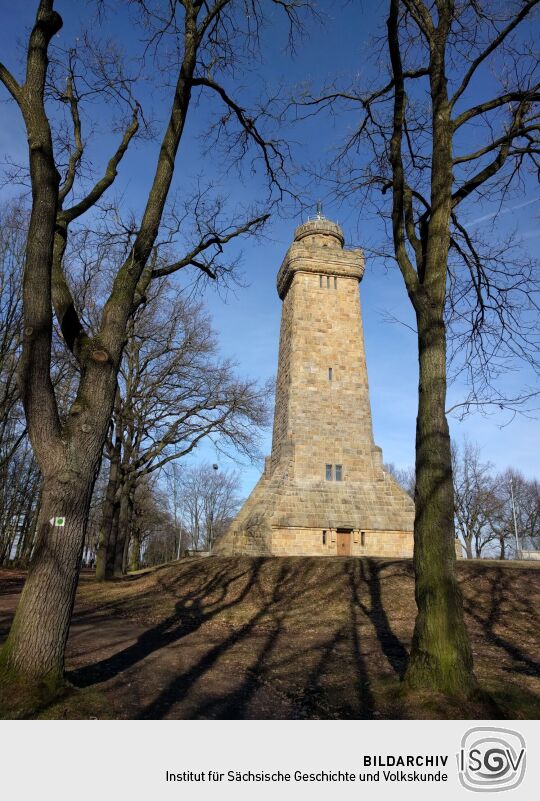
x=269, y=759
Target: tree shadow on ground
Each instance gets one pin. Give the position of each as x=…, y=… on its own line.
x=489, y=610
x=190, y=613
x=319, y=672
x=371, y=571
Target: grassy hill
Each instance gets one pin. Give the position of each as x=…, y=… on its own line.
x=290, y=638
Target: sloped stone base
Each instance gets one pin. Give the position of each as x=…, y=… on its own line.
x=294, y=517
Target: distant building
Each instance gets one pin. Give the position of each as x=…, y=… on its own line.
x=529, y=548
x=323, y=490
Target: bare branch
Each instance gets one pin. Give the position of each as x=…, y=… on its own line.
x=10, y=83
x=48, y=22
x=495, y=165
x=523, y=131
x=77, y=153
x=212, y=239
x=530, y=95
x=70, y=214
x=267, y=147
x=398, y=180
x=493, y=45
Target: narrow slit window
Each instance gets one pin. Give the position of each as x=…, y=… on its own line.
x=339, y=472
x=320, y=281
x=329, y=373
x=328, y=282
x=324, y=538
x=329, y=472
x=362, y=538
x=335, y=282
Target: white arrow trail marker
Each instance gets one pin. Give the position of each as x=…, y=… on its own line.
x=58, y=521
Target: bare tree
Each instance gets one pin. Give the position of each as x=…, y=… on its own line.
x=528, y=512
x=173, y=483
x=207, y=502
x=210, y=38
x=404, y=476
x=475, y=498
x=173, y=393
x=517, y=510
x=12, y=244
x=20, y=478
x=155, y=534
x=435, y=141
x=15, y=458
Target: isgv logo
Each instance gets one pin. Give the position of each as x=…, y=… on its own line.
x=491, y=759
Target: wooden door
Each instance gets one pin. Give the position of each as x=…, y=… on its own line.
x=343, y=543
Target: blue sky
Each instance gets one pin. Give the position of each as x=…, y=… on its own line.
x=248, y=320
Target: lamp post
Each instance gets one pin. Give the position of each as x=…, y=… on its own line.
x=515, y=518
x=215, y=468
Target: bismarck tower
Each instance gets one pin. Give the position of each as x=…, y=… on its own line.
x=323, y=490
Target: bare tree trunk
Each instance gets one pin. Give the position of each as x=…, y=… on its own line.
x=107, y=519
x=5, y=550
x=123, y=531
x=129, y=529
x=111, y=546
x=440, y=657
x=36, y=643
x=28, y=528
x=135, y=555
x=30, y=535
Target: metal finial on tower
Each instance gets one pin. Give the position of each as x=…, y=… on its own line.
x=319, y=210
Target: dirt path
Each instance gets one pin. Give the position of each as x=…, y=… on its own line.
x=286, y=638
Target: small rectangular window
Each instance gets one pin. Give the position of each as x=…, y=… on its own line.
x=339, y=472
x=329, y=373
x=328, y=282
x=362, y=538
x=329, y=472
x=320, y=281
x=335, y=282
x=324, y=538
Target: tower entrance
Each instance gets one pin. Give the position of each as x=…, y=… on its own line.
x=343, y=541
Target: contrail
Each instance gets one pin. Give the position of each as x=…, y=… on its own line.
x=502, y=211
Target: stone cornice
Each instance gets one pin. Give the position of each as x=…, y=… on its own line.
x=321, y=261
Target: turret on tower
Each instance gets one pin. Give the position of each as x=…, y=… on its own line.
x=323, y=490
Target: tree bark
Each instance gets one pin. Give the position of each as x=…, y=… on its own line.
x=135, y=555
x=440, y=657
x=129, y=529
x=111, y=545
x=103, y=571
x=123, y=531
x=36, y=642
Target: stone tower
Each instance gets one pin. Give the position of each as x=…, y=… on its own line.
x=323, y=490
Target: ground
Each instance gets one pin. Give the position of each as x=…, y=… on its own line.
x=285, y=638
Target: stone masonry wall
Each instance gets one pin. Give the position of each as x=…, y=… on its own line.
x=322, y=417
x=309, y=542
